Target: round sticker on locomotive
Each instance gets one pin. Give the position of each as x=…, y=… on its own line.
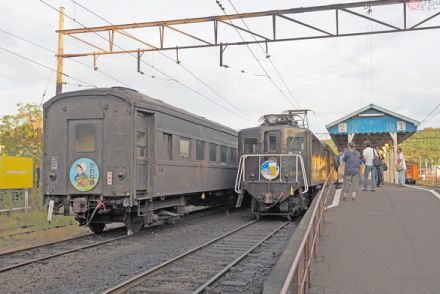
x=84, y=174
x=270, y=169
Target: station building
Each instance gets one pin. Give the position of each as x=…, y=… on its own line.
x=383, y=128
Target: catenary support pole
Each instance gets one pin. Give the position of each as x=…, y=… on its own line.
x=59, y=87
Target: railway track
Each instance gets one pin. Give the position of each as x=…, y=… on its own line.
x=31, y=231
x=201, y=267
x=26, y=256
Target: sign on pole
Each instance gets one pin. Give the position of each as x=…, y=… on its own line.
x=16, y=172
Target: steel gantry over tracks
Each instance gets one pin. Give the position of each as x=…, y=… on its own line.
x=336, y=29
x=274, y=21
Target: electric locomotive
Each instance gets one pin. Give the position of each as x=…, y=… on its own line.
x=281, y=164
x=115, y=155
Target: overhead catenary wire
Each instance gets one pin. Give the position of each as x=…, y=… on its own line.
x=257, y=60
x=371, y=61
x=430, y=115
x=268, y=57
x=47, y=67
x=179, y=63
x=364, y=70
x=167, y=76
x=52, y=51
x=48, y=83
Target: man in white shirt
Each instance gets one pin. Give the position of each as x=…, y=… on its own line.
x=369, y=167
x=401, y=167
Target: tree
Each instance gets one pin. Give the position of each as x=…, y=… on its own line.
x=21, y=134
x=424, y=145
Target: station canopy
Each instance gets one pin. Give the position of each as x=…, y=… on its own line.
x=372, y=123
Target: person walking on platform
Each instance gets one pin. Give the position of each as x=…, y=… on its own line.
x=351, y=173
x=401, y=166
x=379, y=167
x=369, y=155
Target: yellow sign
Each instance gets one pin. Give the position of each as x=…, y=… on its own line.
x=16, y=172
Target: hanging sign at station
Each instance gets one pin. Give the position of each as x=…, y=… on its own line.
x=401, y=125
x=16, y=172
x=342, y=127
x=270, y=169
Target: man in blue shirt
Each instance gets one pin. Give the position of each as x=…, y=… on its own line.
x=351, y=173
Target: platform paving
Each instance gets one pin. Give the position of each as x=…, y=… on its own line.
x=387, y=242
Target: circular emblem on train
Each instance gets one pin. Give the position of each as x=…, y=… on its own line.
x=84, y=174
x=270, y=169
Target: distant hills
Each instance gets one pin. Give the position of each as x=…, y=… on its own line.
x=423, y=145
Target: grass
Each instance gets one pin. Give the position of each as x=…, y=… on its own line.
x=19, y=229
x=22, y=229
x=34, y=220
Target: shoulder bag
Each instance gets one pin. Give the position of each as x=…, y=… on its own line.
x=399, y=166
x=376, y=160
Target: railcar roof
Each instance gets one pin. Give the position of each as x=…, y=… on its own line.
x=133, y=97
x=274, y=127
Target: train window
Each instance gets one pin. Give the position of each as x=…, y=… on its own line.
x=272, y=142
x=141, y=144
x=85, y=138
x=200, y=150
x=250, y=145
x=185, y=148
x=212, y=152
x=167, y=147
x=295, y=145
x=223, y=150
x=232, y=155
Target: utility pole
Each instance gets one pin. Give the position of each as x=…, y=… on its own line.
x=60, y=60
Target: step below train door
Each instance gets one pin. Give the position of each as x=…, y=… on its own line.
x=143, y=153
x=85, y=156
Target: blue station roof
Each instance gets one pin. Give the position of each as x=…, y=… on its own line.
x=372, y=119
x=371, y=123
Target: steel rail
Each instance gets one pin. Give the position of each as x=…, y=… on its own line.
x=47, y=244
x=61, y=253
x=138, y=279
x=31, y=231
x=77, y=248
x=237, y=260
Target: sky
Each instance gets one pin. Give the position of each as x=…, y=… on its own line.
x=332, y=77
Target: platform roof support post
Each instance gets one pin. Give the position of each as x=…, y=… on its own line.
x=350, y=137
x=393, y=160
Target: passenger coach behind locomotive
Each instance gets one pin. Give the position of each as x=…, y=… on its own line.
x=281, y=164
x=115, y=155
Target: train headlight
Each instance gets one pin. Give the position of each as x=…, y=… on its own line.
x=252, y=176
x=272, y=119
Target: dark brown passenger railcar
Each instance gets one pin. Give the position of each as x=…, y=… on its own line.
x=115, y=155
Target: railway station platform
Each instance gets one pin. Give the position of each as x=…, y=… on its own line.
x=386, y=242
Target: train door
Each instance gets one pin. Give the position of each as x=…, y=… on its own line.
x=142, y=153
x=84, y=156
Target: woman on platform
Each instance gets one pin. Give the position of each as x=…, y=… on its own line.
x=401, y=166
